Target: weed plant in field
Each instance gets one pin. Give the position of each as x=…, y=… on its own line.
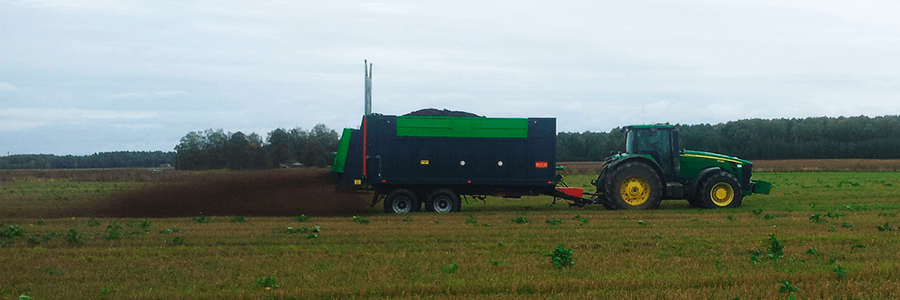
x=776, y=248
x=583, y=221
x=33, y=240
x=176, y=241
x=787, y=287
x=817, y=218
x=561, y=257
x=13, y=231
x=141, y=226
x=169, y=230
x=74, y=237
x=112, y=232
x=203, y=219
x=450, y=268
x=840, y=271
x=267, y=282
x=519, y=220
x=471, y=220
x=553, y=222
x=309, y=232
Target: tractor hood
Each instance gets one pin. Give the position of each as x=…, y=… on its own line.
x=714, y=156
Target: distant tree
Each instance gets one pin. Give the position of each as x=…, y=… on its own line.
x=320, y=146
x=280, y=147
x=190, y=151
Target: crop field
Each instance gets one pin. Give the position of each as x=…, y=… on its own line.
x=288, y=235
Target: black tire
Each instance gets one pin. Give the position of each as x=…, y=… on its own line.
x=634, y=185
x=694, y=200
x=607, y=206
x=720, y=190
x=442, y=201
x=401, y=201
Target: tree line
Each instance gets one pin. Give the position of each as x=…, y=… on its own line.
x=809, y=138
x=216, y=149
x=118, y=159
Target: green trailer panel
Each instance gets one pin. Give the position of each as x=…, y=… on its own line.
x=340, y=158
x=456, y=127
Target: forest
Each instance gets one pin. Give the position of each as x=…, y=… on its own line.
x=808, y=138
x=215, y=149
x=118, y=159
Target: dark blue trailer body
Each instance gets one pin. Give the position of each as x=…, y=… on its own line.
x=429, y=157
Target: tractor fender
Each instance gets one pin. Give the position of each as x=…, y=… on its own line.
x=635, y=158
x=695, y=183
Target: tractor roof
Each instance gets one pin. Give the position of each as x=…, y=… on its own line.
x=657, y=126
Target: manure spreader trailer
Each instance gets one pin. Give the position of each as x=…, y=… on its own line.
x=408, y=161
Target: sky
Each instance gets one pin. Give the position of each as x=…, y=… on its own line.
x=85, y=76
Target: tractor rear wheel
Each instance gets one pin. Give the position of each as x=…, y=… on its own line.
x=634, y=185
x=401, y=201
x=720, y=189
x=694, y=201
x=442, y=201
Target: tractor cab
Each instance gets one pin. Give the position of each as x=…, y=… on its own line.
x=657, y=142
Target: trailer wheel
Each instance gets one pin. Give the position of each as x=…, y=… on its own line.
x=442, y=201
x=634, y=185
x=401, y=201
x=719, y=190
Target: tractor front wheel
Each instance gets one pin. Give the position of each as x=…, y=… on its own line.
x=720, y=189
x=634, y=185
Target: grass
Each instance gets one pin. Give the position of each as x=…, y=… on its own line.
x=676, y=252
x=691, y=255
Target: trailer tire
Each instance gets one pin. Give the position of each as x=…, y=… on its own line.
x=720, y=190
x=634, y=185
x=401, y=201
x=442, y=201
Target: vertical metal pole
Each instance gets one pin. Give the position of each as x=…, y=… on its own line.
x=368, y=69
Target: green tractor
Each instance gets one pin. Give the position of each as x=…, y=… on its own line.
x=654, y=168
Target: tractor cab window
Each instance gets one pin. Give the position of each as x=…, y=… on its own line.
x=654, y=142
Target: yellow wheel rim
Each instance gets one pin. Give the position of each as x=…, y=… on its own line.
x=722, y=194
x=635, y=190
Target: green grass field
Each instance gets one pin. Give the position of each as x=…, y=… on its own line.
x=819, y=235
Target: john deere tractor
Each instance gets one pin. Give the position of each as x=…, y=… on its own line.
x=654, y=168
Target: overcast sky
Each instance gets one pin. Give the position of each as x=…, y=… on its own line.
x=85, y=76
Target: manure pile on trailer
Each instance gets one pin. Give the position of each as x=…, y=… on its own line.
x=250, y=193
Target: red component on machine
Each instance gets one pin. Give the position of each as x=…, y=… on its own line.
x=572, y=191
